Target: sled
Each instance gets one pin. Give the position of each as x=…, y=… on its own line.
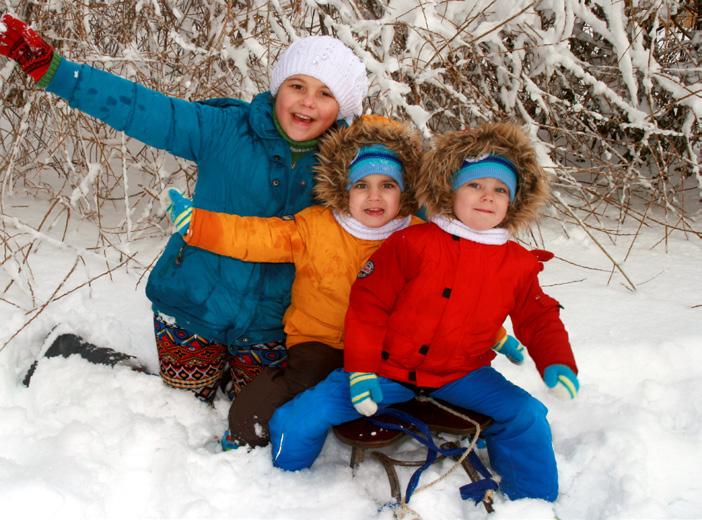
x=409, y=419
x=66, y=345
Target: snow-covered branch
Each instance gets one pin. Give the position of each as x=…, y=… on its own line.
x=611, y=90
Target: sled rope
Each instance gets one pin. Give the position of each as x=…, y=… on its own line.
x=478, y=492
x=467, y=450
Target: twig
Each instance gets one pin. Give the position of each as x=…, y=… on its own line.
x=38, y=312
x=615, y=264
x=54, y=298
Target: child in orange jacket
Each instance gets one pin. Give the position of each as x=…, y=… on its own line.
x=365, y=182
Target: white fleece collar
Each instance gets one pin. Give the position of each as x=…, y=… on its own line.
x=358, y=230
x=491, y=237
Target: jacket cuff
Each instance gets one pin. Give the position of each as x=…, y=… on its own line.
x=51, y=71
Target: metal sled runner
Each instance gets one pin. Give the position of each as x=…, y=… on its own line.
x=420, y=419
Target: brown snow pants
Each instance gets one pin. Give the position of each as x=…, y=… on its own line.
x=307, y=365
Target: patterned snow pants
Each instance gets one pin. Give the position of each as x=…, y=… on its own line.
x=197, y=364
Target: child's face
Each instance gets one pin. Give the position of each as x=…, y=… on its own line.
x=481, y=204
x=305, y=107
x=374, y=200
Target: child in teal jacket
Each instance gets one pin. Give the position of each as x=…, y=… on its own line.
x=254, y=158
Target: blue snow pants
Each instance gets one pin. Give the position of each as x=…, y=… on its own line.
x=518, y=440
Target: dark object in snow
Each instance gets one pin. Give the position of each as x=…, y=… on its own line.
x=67, y=345
x=421, y=420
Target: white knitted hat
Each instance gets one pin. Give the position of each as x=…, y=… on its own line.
x=331, y=62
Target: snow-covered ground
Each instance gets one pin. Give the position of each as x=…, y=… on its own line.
x=87, y=441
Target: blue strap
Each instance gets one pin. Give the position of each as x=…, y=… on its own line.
x=476, y=490
x=478, y=465
x=423, y=435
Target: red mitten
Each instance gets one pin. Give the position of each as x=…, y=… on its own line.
x=21, y=44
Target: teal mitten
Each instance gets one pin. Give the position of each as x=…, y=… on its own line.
x=180, y=211
x=510, y=347
x=562, y=381
x=227, y=442
x=365, y=392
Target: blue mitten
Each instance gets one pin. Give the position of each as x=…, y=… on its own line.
x=562, y=381
x=511, y=348
x=365, y=392
x=180, y=211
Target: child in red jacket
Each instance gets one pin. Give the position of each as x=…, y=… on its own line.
x=425, y=309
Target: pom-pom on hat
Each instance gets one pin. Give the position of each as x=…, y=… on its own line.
x=493, y=166
x=376, y=159
x=331, y=62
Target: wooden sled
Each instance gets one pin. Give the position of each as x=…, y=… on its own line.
x=362, y=434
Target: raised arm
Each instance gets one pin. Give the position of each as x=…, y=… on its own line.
x=142, y=113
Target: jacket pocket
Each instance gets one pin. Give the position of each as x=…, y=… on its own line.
x=178, y=277
x=403, y=351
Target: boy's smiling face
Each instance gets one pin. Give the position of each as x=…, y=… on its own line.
x=374, y=200
x=305, y=107
x=481, y=204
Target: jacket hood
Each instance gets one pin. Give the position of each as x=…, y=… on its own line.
x=338, y=149
x=449, y=150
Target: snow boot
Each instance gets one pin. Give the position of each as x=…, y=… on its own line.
x=67, y=345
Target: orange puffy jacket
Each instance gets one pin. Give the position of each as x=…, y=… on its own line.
x=326, y=257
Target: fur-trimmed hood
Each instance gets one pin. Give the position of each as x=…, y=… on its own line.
x=448, y=152
x=338, y=149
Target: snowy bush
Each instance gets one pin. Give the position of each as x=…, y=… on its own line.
x=610, y=90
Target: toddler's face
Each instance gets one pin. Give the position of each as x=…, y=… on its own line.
x=374, y=200
x=305, y=107
x=481, y=204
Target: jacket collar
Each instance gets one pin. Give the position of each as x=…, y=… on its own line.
x=261, y=116
x=492, y=237
x=358, y=230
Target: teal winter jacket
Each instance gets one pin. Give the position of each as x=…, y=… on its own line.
x=244, y=167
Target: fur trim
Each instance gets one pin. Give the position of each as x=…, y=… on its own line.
x=507, y=139
x=337, y=150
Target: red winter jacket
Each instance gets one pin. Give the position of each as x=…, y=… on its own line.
x=426, y=308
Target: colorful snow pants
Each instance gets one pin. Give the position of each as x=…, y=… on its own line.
x=194, y=363
x=518, y=441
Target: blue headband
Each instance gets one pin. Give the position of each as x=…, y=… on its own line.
x=493, y=166
x=375, y=159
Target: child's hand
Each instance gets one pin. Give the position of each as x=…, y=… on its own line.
x=180, y=211
x=511, y=348
x=21, y=44
x=365, y=392
x=562, y=380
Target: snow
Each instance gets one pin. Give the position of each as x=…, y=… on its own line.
x=87, y=441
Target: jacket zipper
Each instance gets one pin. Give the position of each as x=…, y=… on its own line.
x=179, y=256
